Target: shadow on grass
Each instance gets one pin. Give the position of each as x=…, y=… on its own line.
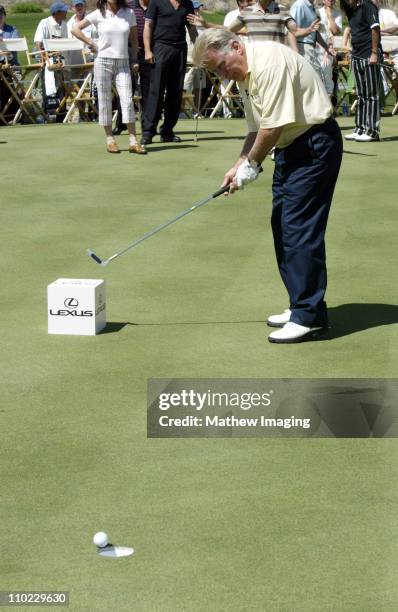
x=352, y=318
x=389, y=138
x=3, y=142
x=179, y=132
x=117, y=326
x=114, y=327
x=166, y=147
x=358, y=153
x=221, y=137
x=152, y=148
x=344, y=320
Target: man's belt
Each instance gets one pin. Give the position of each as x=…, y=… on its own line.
x=303, y=42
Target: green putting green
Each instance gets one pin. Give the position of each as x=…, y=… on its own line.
x=234, y=525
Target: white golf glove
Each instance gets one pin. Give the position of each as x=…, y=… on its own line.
x=246, y=173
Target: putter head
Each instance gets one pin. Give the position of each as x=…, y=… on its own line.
x=91, y=253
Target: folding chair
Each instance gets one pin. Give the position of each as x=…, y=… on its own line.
x=229, y=97
x=21, y=82
x=76, y=90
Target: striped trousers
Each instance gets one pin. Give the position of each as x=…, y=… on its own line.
x=107, y=71
x=367, y=82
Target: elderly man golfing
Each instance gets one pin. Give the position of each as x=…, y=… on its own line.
x=287, y=107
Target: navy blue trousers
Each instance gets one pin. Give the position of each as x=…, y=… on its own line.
x=304, y=180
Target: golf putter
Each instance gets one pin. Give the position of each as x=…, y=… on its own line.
x=105, y=262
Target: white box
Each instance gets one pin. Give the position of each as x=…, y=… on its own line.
x=76, y=306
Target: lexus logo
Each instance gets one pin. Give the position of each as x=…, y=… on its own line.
x=71, y=303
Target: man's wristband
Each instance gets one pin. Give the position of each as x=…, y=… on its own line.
x=253, y=163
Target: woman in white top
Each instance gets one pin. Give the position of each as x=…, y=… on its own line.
x=116, y=24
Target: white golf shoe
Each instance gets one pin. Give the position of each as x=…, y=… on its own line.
x=366, y=138
x=352, y=136
x=279, y=320
x=292, y=332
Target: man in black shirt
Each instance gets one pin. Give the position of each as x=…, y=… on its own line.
x=166, y=51
x=366, y=56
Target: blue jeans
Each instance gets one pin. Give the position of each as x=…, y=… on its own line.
x=304, y=180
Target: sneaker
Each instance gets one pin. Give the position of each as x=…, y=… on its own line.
x=292, y=332
x=112, y=148
x=366, y=138
x=279, y=320
x=352, y=136
x=137, y=148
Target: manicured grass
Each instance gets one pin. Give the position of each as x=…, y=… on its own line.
x=234, y=525
x=214, y=16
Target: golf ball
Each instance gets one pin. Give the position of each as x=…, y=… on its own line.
x=100, y=539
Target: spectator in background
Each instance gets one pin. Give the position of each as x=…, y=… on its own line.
x=229, y=19
x=195, y=79
x=305, y=15
x=388, y=19
x=331, y=20
x=233, y=15
x=115, y=24
x=139, y=7
x=52, y=87
x=264, y=21
x=331, y=25
x=79, y=9
x=53, y=26
x=366, y=55
x=389, y=27
x=6, y=32
x=166, y=51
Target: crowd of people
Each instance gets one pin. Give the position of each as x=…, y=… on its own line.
x=146, y=41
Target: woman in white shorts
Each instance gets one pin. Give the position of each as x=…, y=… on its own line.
x=116, y=24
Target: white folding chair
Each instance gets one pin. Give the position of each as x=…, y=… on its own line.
x=21, y=81
x=76, y=78
x=229, y=97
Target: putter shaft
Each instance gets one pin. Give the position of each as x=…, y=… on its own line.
x=105, y=262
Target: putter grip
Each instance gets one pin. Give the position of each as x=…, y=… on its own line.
x=226, y=188
x=220, y=191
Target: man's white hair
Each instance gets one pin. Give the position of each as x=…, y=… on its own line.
x=218, y=39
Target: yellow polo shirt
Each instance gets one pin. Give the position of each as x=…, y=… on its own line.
x=282, y=90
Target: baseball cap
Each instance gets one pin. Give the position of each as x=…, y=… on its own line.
x=74, y=2
x=196, y=4
x=59, y=7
